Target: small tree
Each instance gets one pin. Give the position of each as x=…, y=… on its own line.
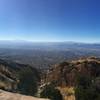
x=86, y=90
x=51, y=92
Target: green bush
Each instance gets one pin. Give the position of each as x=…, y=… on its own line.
x=86, y=90
x=51, y=92
x=27, y=82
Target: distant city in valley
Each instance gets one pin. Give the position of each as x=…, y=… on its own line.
x=43, y=55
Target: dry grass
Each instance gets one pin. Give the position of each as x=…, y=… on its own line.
x=67, y=92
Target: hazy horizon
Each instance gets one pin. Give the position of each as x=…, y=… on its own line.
x=30, y=41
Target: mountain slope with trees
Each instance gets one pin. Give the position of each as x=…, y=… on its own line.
x=18, y=77
x=83, y=75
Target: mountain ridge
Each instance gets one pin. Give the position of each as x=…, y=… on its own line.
x=65, y=73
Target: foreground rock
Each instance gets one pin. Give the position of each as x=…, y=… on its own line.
x=14, y=96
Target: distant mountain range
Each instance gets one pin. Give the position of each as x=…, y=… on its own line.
x=47, y=45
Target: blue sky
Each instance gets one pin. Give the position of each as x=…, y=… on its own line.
x=50, y=20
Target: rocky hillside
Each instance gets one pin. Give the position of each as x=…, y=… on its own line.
x=65, y=73
x=14, y=96
x=9, y=72
x=72, y=78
